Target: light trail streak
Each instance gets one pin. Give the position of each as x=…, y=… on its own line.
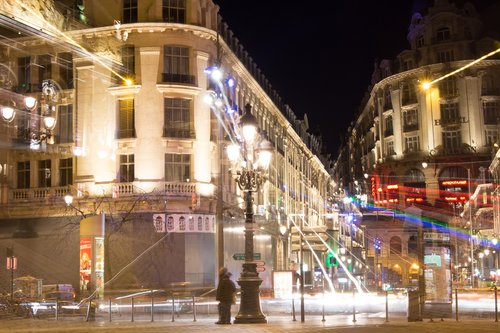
x=55, y=32
x=427, y=85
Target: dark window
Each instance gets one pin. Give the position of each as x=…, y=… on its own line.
x=174, y=11
x=387, y=100
x=23, y=174
x=127, y=172
x=448, y=87
x=451, y=141
x=445, y=56
x=443, y=34
x=449, y=114
x=408, y=93
x=177, y=118
x=420, y=41
x=413, y=245
x=388, y=126
x=65, y=172
x=177, y=167
x=410, y=120
x=126, y=117
x=44, y=173
x=128, y=60
x=176, y=60
x=129, y=11
x=44, y=68
x=65, y=63
x=395, y=244
x=24, y=73
x=65, y=124
x=491, y=112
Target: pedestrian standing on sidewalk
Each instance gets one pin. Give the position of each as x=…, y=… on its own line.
x=225, y=294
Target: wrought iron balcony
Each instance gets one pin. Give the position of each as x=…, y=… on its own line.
x=178, y=78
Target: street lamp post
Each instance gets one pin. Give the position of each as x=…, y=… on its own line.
x=250, y=170
x=470, y=231
x=44, y=112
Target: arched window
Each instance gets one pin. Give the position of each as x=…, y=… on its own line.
x=413, y=245
x=395, y=244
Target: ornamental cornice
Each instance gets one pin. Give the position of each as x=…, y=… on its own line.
x=178, y=89
x=143, y=27
x=124, y=90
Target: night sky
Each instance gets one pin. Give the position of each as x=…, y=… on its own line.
x=319, y=56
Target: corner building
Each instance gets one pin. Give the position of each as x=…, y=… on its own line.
x=143, y=151
x=425, y=148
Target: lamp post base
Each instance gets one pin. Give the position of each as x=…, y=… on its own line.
x=250, y=312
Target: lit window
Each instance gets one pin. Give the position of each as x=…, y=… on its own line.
x=127, y=168
x=126, y=116
x=177, y=167
x=44, y=173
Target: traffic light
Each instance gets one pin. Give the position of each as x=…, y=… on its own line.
x=376, y=245
x=331, y=260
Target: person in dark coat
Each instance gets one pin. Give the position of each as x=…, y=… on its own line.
x=225, y=293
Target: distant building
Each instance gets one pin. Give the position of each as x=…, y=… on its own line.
x=427, y=148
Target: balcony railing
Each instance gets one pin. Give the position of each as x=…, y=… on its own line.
x=410, y=127
x=38, y=194
x=178, y=133
x=178, y=78
x=114, y=190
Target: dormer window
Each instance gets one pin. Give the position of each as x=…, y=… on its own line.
x=443, y=34
x=420, y=41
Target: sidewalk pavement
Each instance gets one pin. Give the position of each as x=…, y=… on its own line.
x=312, y=324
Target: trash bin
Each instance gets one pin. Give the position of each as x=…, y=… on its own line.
x=414, y=306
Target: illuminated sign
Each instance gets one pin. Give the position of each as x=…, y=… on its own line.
x=454, y=183
x=392, y=187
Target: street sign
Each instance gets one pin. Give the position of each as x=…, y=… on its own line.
x=259, y=262
x=261, y=269
x=11, y=263
x=241, y=256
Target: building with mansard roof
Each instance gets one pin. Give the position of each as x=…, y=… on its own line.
x=428, y=148
x=134, y=142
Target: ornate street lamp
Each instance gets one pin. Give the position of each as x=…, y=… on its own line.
x=40, y=122
x=251, y=160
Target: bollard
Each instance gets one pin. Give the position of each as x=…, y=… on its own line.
x=456, y=304
x=496, y=305
x=110, y=309
x=194, y=309
x=293, y=308
x=91, y=311
x=354, y=305
x=152, y=307
x=132, y=309
x=386, y=306
x=323, y=319
x=57, y=309
x=173, y=308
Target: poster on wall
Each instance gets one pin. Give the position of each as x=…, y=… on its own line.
x=437, y=274
x=159, y=222
x=99, y=263
x=85, y=262
x=283, y=282
x=184, y=223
